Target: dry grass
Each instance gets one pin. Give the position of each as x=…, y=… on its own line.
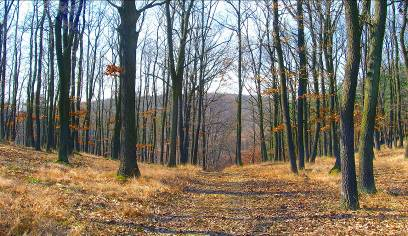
x=39, y=196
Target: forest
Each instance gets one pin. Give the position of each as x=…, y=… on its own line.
x=203, y=117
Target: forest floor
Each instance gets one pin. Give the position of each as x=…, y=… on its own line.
x=39, y=196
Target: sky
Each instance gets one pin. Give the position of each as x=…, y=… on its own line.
x=149, y=27
x=153, y=19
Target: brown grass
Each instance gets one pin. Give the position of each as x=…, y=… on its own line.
x=39, y=196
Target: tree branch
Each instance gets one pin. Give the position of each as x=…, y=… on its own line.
x=113, y=4
x=150, y=5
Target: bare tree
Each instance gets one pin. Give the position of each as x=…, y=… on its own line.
x=366, y=153
x=176, y=71
x=65, y=30
x=349, y=195
x=283, y=89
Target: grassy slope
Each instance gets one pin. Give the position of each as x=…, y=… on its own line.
x=39, y=196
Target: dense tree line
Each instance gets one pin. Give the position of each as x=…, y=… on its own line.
x=153, y=81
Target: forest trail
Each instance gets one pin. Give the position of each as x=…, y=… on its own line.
x=234, y=203
x=238, y=202
x=40, y=196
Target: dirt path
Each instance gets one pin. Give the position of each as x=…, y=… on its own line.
x=219, y=203
x=242, y=203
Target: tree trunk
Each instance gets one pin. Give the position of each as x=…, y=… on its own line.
x=301, y=99
x=17, y=65
x=176, y=73
x=238, y=158
x=404, y=49
x=64, y=41
x=371, y=93
x=3, y=56
x=80, y=81
x=366, y=152
x=328, y=56
x=349, y=195
x=38, y=90
x=29, y=132
x=163, y=132
x=116, y=129
x=283, y=89
x=51, y=112
x=128, y=44
x=316, y=88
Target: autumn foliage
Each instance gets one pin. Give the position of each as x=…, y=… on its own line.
x=113, y=70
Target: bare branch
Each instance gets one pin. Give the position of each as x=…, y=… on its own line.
x=113, y=4
x=150, y=5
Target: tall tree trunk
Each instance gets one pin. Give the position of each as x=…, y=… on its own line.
x=199, y=111
x=128, y=43
x=180, y=126
x=3, y=56
x=17, y=65
x=79, y=82
x=29, y=132
x=349, y=195
x=404, y=49
x=63, y=54
x=264, y=153
x=116, y=129
x=165, y=100
x=328, y=56
x=366, y=152
x=74, y=130
x=315, y=87
x=51, y=112
x=276, y=114
x=283, y=89
x=64, y=35
x=301, y=99
x=176, y=72
x=238, y=159
x=38, y=90
x=324, y=102
x=204, y=139
x=200, y=101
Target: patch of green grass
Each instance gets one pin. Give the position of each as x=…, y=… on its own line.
x=121, y=178
x=139, y=229
x=33, y=180
x=334, y=171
